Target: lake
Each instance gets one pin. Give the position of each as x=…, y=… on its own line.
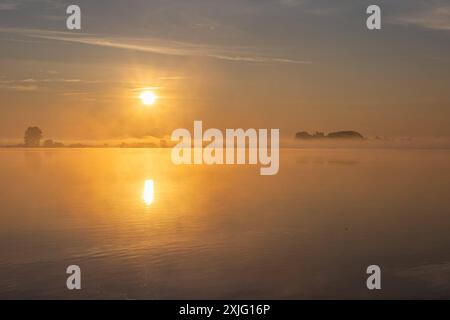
x=140, y=227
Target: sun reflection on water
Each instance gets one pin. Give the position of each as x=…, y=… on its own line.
x=149, y=192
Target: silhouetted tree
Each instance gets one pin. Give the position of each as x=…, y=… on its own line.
x=33, y=137
x=48, y=143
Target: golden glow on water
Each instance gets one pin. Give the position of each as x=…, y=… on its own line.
x=184, y=224
x=149, y=192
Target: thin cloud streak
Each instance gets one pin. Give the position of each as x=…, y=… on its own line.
x=8, y=6
x=16, y=87
x=437, y=18
x=156, y=46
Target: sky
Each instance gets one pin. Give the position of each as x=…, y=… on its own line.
x=296, y=65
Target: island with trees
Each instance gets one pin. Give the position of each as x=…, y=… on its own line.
x=303, y=135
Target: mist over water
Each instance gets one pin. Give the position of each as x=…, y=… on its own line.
x=142, y=228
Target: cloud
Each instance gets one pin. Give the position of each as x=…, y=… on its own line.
x=316, y=7
x=9, y=6
x=436, y=18
x=157, y=46
x=14, y=5
x=32, y=80
x=31, y=84
x=292, y=3
x=18, y=87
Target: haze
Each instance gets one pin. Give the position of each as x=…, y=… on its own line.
x=288, y=64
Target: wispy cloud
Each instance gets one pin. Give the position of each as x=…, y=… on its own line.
x=316, y=7
x=16, y=4
x=8, y=6
x=18, y=87
x=292, y=3
x=79, y=87
x=158, y=46
x=436, y=18
x=31, y=84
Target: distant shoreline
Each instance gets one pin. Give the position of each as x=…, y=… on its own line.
x=83, y=147
x=308, y=145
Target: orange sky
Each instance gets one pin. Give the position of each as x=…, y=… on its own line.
x=293, y=65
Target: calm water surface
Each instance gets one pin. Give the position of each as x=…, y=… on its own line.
x=141, y=228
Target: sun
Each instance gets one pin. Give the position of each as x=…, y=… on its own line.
x=148, y=98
